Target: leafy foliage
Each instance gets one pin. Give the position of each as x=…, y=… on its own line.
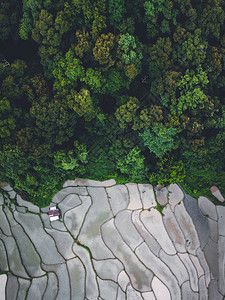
x=119, y=89
x=72, y=158
x=133, y=165
x=9, y=19
x=82, y=104
x=128, y=45
x=193, y=48
x=103, y=46
x=168, y=172
x=116, y=10
x=159, y=140
x=126, y=113
x=68, y=70
x=191, y=89
x=153, y=7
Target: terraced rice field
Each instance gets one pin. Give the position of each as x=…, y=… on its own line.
x=112, y=243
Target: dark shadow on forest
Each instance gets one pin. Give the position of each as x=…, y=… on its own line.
x=25, y=50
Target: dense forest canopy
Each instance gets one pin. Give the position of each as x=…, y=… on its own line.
x=132, y=90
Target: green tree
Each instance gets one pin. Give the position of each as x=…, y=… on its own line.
x=212, y=18
x=117, y=10
x=153, y=7
x=61, y=23
x=126, y=113
x=168, y=10
x=38, y=87
x=192, y=50
x=159, y=139
x=30, y=13
x=159, y=57
x=191, y=87
x=168, y=171
x=7, y=121
x=48, y=30
x=126, y=26
x=82, y=44
x=82, y=104
x=99, y=18
x=14, y=79
x=133, y=165
x=148, y=117
x=94, y=79
x=166, y=86
x=13, y=162
x=67, y=71
x=215, y=64
x=128, y=45
x=78, y=13
x=9, y=19
x=115, y=81
x=54, y=119
x=131, y=55
x=103, y=48
x=26, y=139
x=71, y=159
x=12, y=93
